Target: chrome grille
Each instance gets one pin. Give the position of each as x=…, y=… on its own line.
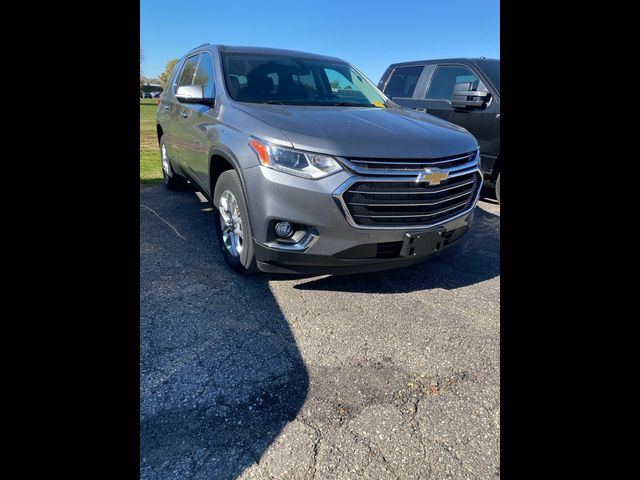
x=401, y=165
x=402, y=202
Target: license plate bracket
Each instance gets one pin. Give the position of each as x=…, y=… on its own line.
x=422, y=242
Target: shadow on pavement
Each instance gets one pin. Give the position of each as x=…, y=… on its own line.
x=220, y=372
x=474, y=258
x=488, y=194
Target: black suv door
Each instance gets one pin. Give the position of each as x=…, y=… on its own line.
x=403, y=83
x=482, y=123
x=433, y=94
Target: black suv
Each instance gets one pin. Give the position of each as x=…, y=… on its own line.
x=464, y=91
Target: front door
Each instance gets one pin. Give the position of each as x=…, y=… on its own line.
x=482, y=123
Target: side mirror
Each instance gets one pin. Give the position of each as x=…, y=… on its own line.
x=193, y=94
x=464, y=98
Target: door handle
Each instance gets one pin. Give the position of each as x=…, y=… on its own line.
x=184, y=114
x=167, y=107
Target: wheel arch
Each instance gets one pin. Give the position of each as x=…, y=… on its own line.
x=159, y=132
x=220, y=160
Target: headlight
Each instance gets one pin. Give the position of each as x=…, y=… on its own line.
x=294, y=162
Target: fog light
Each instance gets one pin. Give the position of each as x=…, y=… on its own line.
x=283, y=229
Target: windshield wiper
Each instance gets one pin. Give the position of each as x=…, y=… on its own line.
x=352, y=104
x=273, y=102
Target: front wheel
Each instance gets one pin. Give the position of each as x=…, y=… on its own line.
x=498, y=188
x=232, y=225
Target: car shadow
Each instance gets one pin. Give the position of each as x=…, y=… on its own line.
x=488, y=194
x=473, y=259
x=220, y=372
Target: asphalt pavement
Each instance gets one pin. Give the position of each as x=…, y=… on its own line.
x=386, y=375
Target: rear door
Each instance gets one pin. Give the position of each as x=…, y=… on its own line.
x=200, y=121
x=180, y=135
x=403, y=84
x=168, y=110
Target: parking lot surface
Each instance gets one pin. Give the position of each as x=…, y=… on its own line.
x=385, y=375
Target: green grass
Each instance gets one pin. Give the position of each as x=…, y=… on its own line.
x=150, y=167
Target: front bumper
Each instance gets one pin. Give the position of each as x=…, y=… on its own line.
x=337, y=246
x=277, y=261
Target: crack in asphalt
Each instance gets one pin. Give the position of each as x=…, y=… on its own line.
x=158, y=215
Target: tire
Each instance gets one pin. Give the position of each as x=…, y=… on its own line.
x=498, y=188
x=172, y=180
x=233, y=215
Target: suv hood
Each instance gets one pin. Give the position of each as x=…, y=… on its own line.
x=393, y=132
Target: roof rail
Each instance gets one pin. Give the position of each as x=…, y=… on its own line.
x=200, y=46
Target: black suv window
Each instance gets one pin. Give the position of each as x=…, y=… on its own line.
x=403, y=81
x=445, y=77
x=186, y=76
x=204, y=75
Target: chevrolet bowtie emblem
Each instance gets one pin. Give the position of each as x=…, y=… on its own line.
x=432, y=175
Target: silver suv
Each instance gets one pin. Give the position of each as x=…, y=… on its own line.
x=311, y=168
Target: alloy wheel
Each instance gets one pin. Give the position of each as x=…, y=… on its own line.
x=231, y=223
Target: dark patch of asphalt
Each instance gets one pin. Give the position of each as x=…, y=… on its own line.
x=386, y=375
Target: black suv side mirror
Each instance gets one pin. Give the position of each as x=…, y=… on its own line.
x=193, y=94
x=464, y=98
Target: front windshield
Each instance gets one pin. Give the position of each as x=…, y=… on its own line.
x=491, y=69
x=258, y=78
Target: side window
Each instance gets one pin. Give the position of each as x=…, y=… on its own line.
x=445, y=77
x=204, y=75
x=186, y=76
x=403, y=81
x=173, y=76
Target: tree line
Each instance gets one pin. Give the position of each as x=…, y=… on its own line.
x=164, y=76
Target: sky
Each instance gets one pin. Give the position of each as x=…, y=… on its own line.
x=371, y=35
